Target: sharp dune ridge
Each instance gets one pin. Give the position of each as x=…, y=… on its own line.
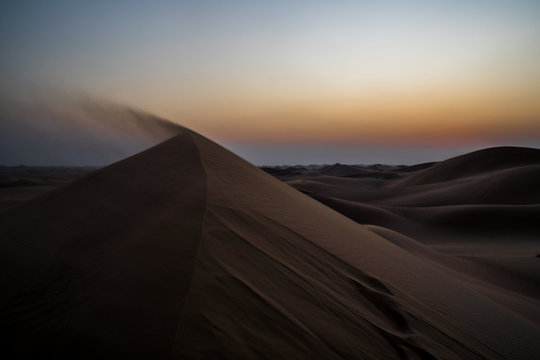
x=187, y=251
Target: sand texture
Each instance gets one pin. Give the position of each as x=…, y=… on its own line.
x=186, y=251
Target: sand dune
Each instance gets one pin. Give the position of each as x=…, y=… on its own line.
x=517, y=185
x=188, y=251
x=494, y=220
x=488, y=214
x=478, y=162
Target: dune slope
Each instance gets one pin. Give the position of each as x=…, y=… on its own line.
x=101, y=267
x=187, y=251
x=477, y=162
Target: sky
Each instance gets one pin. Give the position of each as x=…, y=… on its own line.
x=281, y=82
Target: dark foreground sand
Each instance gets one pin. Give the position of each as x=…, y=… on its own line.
x=187, y=251
x=19, y=184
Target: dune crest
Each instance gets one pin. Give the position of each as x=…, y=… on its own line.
x=187, y=251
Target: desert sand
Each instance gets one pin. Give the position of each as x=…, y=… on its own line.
x=187, y=251
x=19, y=184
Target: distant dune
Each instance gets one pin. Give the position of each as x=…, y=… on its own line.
x=476, y=163
x=482, y=206
x=187, y=251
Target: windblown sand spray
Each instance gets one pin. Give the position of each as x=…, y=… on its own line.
x=76, y=132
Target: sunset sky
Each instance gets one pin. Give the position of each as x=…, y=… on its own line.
x=263, y=76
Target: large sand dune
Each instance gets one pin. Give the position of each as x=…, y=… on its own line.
x=188, y=251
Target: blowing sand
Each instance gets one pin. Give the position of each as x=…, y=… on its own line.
x=187, y=251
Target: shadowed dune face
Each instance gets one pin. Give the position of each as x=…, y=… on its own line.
x=101, y=266
x=187, y=251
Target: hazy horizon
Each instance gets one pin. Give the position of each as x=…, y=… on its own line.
x=88, y=132
x=396, y=82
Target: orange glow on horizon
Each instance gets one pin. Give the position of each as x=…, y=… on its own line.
x=423, y=117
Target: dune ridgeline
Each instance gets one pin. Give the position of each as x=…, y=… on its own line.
x=187, y=251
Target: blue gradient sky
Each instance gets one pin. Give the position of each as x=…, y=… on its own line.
x=262, y=74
